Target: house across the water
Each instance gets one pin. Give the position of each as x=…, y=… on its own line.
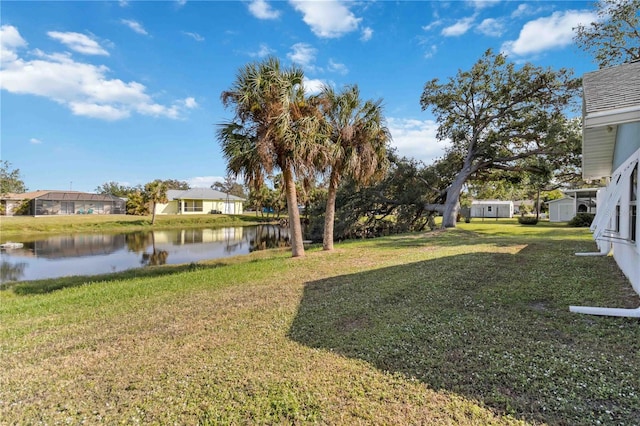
x=45, y=203
x=199, y=201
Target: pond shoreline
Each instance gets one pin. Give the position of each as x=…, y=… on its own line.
x=91, y=253
x=29, y=227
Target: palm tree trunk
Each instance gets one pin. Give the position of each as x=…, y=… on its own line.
x=295, y=228
x=153, y=214
x=330, y=213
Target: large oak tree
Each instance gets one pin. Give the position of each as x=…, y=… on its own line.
x=494, y=116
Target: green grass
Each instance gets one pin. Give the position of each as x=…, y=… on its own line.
x=12, y=226
x=469, y=326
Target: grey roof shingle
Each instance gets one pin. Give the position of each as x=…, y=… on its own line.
x=612, y=88
x=200, y=194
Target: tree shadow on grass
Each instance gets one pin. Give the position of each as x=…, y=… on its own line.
x=493, y=327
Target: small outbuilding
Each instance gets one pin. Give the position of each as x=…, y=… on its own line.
x=575, y=201
x=491, y=208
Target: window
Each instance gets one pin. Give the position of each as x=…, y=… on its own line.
x=193, y=206
x=489, y=208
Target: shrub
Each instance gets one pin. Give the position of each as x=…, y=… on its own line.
x=527, y=220
x=582, y=220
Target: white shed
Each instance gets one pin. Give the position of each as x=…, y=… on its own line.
x=491, y=208
x=562, y=209
x=575, y=201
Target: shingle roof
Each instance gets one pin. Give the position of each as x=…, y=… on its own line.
x=200, y=194
x=612, y=88
x=611, y=98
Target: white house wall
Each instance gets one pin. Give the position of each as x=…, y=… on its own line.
x=169, y=208
x=627, y=253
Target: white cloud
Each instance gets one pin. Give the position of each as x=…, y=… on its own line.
x=83, y=88
x=135, y=26
x=416, y=139
x=522, y=10
x=525, y=9
x=491, y=27
x=262, y=10
x=367, y=33
x=482, y=4
x=204, y=181
x=312, y=86
x=10, y=40
x=303, y=55
x=264, y=51
x=190, y=103
x=35, y=141
x=78, y=42
x=431, y=51
x=459, y=28
x=195, y=36
x=181, y=3
x=552, y=32
x=337, y=67
x=327, y=19
x=123, y=3
x=102, y=112
x=432, y=25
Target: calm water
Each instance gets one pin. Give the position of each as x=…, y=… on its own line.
x=91, y=254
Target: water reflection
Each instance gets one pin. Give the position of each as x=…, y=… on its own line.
x=90, y=254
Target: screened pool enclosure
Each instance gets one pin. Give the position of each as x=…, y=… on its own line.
x=68, y=203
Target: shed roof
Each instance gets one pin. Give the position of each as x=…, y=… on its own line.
x=611, y=96
x=500, y=202
x=562, y=200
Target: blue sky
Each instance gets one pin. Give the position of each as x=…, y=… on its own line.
x=129, y=91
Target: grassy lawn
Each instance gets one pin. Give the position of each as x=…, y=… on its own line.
x=469, y=326
x=12, y=226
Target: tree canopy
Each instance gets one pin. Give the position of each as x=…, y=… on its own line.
x=114, y=188
x=229, y=186
x=614, y=37
x=10, y=180
x=496, y=115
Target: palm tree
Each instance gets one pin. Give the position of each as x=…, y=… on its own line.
x=155, y=192
x=357, y=144
x=274, y=128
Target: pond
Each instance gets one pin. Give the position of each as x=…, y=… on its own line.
x=91, y=254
